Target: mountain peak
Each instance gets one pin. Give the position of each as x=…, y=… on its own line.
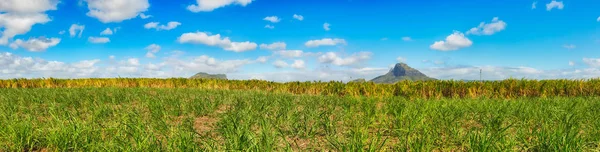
x=401, y=71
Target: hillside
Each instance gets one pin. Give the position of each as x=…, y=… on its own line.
x=203, y=75
x=400, y=72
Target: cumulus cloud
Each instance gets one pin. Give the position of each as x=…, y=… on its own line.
x=206, y=64
x=534, y=5
x=554, y=4
x=324, y=42
x=114, y=11
x=76, y=29
x=453, y=42
x=14, y=24
x=155, y=25
x=290, y=53
x=598, y=20
x=571, y=63
x=13, y=66
x=407, y=39
x=107, y=31
x=152, y=49
x=262, y=59
x=144, y=16
x=298, y=64
x=298, y=17
x=326, y=26
x=18, y=16
x=98, y=40
x=274, y=46
x=280, y=64
x=62, y=32
x=27, y=6
x=216, y=40
x=210, y=5
x=269, y=26
x=495, y=26
x=334, y=58
x=272, y=19
x=319, y=74
x=35, y=44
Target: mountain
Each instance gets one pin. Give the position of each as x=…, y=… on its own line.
x=203, y=75
x=401, y=71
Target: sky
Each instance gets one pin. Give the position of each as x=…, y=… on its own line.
x=299, y=40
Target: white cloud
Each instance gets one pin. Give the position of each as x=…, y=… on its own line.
x=324, y=42
x=210, y=5
x=598, y=20
x=500, y=73
x=75, y=29
x=62, y=32
x=144, y=16
x=215, y=40
x=280, y=64
x=206, y=64
x=272, y=19
x=35, y=44
x=17, y=24
x=326, y=26
x=18, y=16
x=298, y=17
x=571, y=63
x=298, y=64
x=384, y=39
x=274, y=46
x=319, y=74
x=13, y=66
x=290, y=53
x=554, y=4
x=401, y=59
x=569, y=46
x=107, y=31
x=152, y=49
x=262, y=59
x=407, y=39
x=109, y=11
x=534, y=5
x=353, y=60
x=453, y=42
x=495, y=26
x=592, y=62
x=27, y=6
x=269, y=26
x=98, y=40
x=155, y=25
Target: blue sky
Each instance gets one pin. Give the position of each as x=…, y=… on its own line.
x=160, y=38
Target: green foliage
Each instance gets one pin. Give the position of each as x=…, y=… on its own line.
x=437, y=89
x=191, y=119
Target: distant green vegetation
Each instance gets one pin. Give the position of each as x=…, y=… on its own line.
x=435, y=89
x=188, y=119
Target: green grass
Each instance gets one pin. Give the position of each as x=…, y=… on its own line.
x=152, y=119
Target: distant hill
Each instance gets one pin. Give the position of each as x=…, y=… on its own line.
x=359, y=80
x=400, y=72
x=203, y=75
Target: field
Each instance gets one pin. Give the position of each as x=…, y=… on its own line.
x=208, y=115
